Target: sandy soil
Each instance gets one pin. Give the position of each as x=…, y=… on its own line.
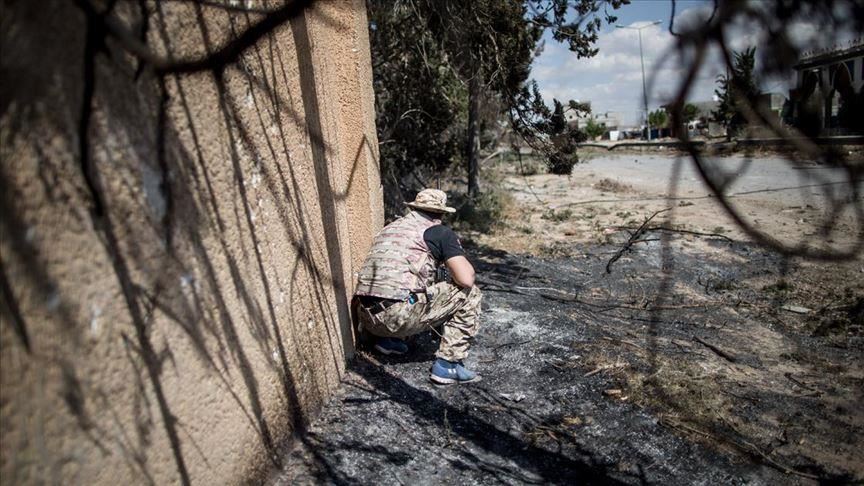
x=789, y=202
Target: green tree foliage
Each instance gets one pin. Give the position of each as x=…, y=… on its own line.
x=547, y=131
x=434, y=61
x=578, y=23
x=594, y=129
x=658, y=118
x=419, y=101
x=736, y=90
x=690, y=112
x=563, y=137
x=490, y=45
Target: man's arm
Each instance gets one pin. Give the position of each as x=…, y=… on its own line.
x=461, y=270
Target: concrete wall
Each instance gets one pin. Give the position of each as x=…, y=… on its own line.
x=177, y=250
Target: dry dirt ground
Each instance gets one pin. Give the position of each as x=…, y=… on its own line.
x=696, y=359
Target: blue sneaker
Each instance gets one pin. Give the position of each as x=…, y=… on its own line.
x=388, y=346
x=448, y=372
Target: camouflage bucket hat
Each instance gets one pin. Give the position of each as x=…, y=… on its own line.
x=434, y=200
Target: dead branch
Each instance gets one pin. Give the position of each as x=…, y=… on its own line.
x=682, y=231
x=571, y=299
x=491, y=283
x=622, y=341
x=633, y=238
x=747, y=446
x=720, y=352
x=602, y=368
x=740, y=444
x=714, y=35
x=803, y=385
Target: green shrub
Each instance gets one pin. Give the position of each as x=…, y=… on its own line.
x=562, y=163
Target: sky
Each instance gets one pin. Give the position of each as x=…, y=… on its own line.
x=612, y=80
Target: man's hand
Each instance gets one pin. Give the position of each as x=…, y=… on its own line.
x=461, y=270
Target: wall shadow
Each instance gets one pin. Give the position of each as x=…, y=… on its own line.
x=192, y=255
x=515, y=458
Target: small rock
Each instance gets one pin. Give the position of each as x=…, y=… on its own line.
x=513, y=397
x=572, y=421
x=796, y=309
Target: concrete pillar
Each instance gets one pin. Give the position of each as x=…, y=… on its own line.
x=857, y=68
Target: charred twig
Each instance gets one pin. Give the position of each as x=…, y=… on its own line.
x=633, y=238
x=680, y=426
x=739, y=443
x=489, y=282
x=803, y=385
x=751, y=448
x=604, y=368
x=723, y=354
x=682, y=231
x=607, y=307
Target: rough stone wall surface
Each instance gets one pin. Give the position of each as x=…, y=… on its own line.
x=178, y=250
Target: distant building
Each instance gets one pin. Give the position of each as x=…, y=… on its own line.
x=773, y=102
x=610, y=120
x=705, y=109
x=828, y=93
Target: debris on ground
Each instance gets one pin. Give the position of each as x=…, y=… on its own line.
x=694, y=357
x=651, y=377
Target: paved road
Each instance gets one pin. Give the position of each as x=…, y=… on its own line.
x=781, y=180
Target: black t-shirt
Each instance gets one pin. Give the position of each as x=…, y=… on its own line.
x=443, y=243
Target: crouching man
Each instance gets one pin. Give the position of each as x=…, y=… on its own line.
x=398, y=295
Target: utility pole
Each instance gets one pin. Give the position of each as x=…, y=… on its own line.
x=642, y=61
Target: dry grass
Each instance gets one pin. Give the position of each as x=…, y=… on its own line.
x=610, y=185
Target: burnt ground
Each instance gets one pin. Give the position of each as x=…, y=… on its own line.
x=696, y=361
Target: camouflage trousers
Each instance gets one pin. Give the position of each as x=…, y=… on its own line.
x=458, y=309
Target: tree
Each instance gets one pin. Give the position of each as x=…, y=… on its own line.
x=489, y=45
x=658, y=118
x=419, y=102
x=690, y=112
x=736, y=91
x=578, y=23
x=594, y=129
x=435, y=61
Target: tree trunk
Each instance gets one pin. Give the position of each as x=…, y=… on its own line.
x=473, y=135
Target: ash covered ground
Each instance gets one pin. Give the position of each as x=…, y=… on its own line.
x=695, y=361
